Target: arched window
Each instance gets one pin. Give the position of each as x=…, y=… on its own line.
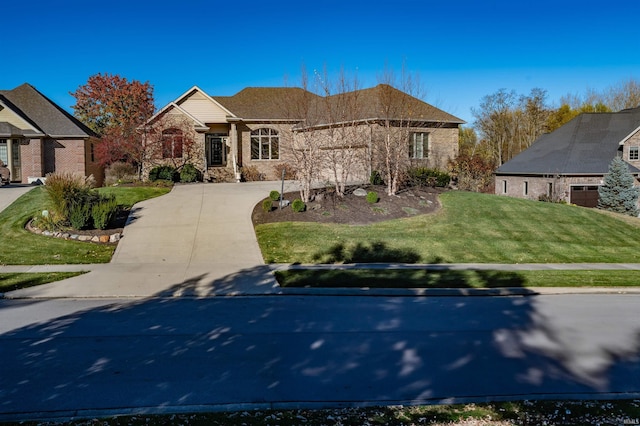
x=265, y=144
x=172, y=141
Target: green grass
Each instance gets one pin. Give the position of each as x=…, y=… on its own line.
x=20, y=247
x=407, y=278
x=14, y=281
x=470, y=228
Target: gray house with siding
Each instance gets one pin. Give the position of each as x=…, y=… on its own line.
x=570, y=163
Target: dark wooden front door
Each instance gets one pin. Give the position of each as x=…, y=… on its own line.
x=217, y=150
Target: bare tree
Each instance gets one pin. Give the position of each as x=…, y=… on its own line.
x=343, y=145
x=301, y=147
x=170, y=140
x=395, y=99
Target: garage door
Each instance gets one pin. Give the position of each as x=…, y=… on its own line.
x=586, y=196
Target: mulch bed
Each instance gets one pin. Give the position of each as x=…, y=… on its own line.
x=327, y=207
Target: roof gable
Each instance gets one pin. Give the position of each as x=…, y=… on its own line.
x=44, y=114
x=203, y=107
x=173, y=109
x=14, y=123
x=585, y=145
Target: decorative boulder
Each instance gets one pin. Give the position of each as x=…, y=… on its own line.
x=360, y=192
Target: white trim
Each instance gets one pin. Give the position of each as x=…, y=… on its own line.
x=625, y=139
x=172, y=105
x=22, y=119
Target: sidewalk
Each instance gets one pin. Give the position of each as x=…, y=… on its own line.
x=115, y=281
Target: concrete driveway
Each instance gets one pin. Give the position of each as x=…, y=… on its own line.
x=10, y=193
x=198, y=240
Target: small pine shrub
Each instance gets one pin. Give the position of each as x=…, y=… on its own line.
x=376, y=178
x=189, y=173
x=298, y=205
x=267, y=205
x=372, y=197
x=103, y=211
x=163, y=173
x=80, y=214
x=274, y=195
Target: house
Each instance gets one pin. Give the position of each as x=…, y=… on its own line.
x=38, y=137
x=570, y=163
x=263, y=128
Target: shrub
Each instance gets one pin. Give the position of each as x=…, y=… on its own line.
x=372, y=197
x=267, y=205
x=376, y=178
x=80, y=214
x=251, y=174
x=618, y=192
x=423, y=176
x=65, y=189
x=120, y=172
x=189, y=173
x=274, y=195
x=288, y=171
x=298, y=205
x=163, y=173
x=103, y=211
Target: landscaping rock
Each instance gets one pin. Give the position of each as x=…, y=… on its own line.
x=114, y=238
x=104, y=238
x=284, y=203
x=360, y=192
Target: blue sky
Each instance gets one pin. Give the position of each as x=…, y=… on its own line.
x=461, y=50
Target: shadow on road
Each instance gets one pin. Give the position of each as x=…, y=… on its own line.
x=332, y=351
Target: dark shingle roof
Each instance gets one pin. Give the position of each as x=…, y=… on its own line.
x=585, y=145
x=263, y=103
x=43, y=113
x=281, y=103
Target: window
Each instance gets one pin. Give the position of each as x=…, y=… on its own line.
x=525, y=188
x=419, y=145
x=634, y=153
x=265, y=144
x=549, y=189
x=504, y=186
x=172, y=141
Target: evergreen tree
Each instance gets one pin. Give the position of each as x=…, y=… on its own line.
x=618, y=193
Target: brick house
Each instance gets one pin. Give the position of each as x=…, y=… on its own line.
x=570, y=163
x=38, y=137
x=258, y=128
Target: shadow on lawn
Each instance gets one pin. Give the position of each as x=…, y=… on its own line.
x=398, y=278
x=377, y=251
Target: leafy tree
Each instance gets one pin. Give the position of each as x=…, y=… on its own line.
x=114, y=108
x=618, y=192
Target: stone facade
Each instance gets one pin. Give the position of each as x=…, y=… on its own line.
x=558, y=188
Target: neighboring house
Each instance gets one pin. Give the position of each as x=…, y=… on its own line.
x=257, y=127
x=570, y=163
x=38, y=137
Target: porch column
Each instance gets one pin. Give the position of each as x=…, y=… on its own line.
x=233, y=133
x=10, y=158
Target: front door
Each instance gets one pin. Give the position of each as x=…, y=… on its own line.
x=217, y=150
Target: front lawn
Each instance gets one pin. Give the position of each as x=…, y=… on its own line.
x=21, y=247
x=470, y=228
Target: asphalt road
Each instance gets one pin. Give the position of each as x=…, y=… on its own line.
x=89, y=357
